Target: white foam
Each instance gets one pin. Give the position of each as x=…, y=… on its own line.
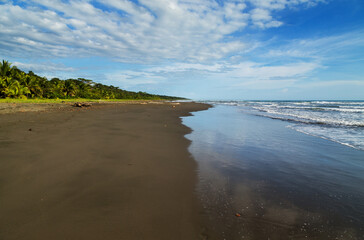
x=342, y=136
x=345, y=116
x=338, y=121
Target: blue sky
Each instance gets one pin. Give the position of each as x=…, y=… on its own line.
x=200, y=49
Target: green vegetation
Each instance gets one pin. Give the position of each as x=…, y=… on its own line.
x=16, y=84
x=69, y=100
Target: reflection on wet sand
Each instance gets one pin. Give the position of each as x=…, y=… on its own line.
x=258, y=189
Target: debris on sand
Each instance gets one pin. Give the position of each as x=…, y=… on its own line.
x=81, y=105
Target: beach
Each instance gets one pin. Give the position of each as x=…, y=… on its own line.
x=112, y=171
x=168, y=170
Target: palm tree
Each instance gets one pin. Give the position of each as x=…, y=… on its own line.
x=70, y=88
x=83, y=89
x=13, y=89
x=32, y=83
x=55, y=89
x=3, y=84
x=5, y=69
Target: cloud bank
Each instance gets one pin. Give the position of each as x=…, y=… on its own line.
x=148, y=31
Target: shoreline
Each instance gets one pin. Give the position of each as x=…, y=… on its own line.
x=112, y=171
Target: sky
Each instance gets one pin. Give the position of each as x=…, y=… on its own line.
x=199, y=49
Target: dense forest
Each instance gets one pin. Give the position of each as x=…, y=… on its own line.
x=15, y=83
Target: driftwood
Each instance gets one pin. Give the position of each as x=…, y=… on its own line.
x=81, y=105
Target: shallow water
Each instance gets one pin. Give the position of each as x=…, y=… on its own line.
x=339, y=121
x=283, y=183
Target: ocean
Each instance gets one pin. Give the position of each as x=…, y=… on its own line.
x=339, y=121
x=280, y=169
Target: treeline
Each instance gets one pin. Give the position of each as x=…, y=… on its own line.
x=15, y=83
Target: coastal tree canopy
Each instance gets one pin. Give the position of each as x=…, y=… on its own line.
x=14, y=83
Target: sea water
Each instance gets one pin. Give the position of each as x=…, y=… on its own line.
x=339, y=121
x=280, y=170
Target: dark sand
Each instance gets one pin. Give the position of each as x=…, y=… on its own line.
x=116, y=171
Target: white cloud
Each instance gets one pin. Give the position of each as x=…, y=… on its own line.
x=281, y=4
x=331, y=47
x=261, y=15
x=334, y=83
x=150, y=31
x=262, y=18
x=154, y=30
x=248, y=75
x=129, y=79
x=183, y=67
x=266, y=84
x=42, y=67
x=256, y=71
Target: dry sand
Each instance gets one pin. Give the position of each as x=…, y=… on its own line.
x=115, y=171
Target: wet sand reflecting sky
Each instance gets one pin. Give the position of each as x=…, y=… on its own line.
x=284, y=184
